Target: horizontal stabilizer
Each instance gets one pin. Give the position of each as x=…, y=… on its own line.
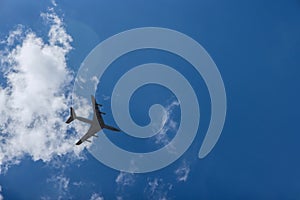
x=72, y=116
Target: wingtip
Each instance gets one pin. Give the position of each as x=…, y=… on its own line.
x=112, y=128
x=79, y=142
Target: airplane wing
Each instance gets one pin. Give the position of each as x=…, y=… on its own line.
x=86, y=136
x=97, y=112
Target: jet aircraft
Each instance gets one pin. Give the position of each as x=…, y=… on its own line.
x=96, y=125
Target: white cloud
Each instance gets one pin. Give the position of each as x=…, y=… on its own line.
x=168, y=124
x=78, y=184
x=157, y=189
x=182, y=172
x=54, y=3
x=34, y=100
x=119, y=197
x=61, y=184
x=14, y=36
x=1, y=197
x=58, y=37
x=153, y=185
x=125, y=179
x=105, y=97
x=95, y=80
x=96, y=196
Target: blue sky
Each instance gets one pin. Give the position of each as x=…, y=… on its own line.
x=255, y=45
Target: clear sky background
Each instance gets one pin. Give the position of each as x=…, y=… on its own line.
x=256, y=46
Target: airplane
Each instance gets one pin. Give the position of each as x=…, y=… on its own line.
x=97, y=124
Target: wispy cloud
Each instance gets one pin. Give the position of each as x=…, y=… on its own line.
x=119, y=197
x=14, y=36
x=168, y=124
x=54, y=3
x=96, y=196
x=78, y=183
x=182, y=172
x=61, y=185
x=1, y=197
x=105, y=97
x=95, y=80
x=157, y=189
x=125, y=179
x=35, y=97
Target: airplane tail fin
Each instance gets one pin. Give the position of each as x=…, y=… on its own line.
x=111, y=128
x=72, y=116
